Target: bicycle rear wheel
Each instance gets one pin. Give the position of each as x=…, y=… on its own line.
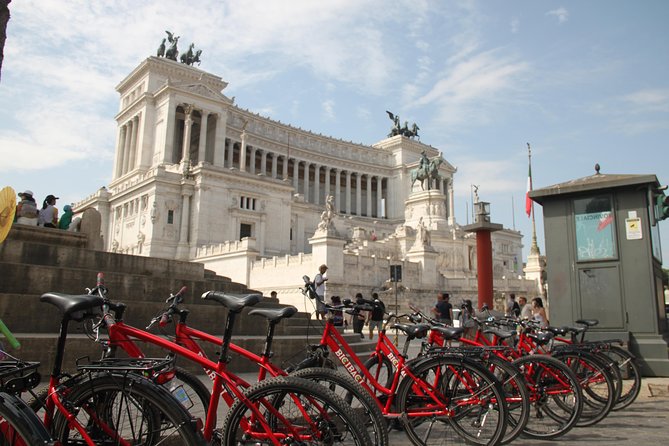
x=555, y=395
x=597, y=385
x=630, y=373
x=19, y=426
x=126, y=406
x=289, y=409
x=451, y=400
x=191, y=392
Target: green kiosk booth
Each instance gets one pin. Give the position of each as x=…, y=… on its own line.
x=604, y=260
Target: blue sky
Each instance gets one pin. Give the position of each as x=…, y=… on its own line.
x=583, y=82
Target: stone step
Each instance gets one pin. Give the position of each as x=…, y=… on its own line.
x=26, y=314
x=287, y=350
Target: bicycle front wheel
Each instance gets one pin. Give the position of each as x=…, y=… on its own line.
x=19, y=426
x=117, y=408
x=356, y=396
x=287, y=409
x=451, y=400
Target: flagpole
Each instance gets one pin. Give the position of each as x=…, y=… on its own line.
x=534, y=249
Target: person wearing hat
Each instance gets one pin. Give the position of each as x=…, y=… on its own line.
x=48, y=215
x=66, y=219
x=26, y=210
x=319, y=284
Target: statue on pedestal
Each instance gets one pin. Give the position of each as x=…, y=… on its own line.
x=327, y=217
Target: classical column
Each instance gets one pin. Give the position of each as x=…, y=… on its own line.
x=338, y=190
x=133, y=145
x=169, y=154
x=242, y=153
x=274, y=164
x=252, y=160
x=284, y=173
x=451, y=205
x=348, y=192
x=296, y=175
x=263, y=163
x=379, y=197
x=182, y=247
x=327, y=182
x=118, y=167
x=317, y=184
x=126, y=147
x=358, y=194
x=369, y=196
x=188, y=127
x=202, y=146
x=307, y=166
x=219, y=142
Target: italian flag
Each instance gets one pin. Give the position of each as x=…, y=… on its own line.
x=528, y=200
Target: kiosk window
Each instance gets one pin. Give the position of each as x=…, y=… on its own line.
x=595, y=228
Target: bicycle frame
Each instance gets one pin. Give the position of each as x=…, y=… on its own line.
x=225, y=383
x=335, y=342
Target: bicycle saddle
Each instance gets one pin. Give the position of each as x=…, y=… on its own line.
x=232, y=302
x=274, y=314
x=69, y=304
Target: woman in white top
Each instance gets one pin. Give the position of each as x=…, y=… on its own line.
x=539, y=312
x=48, y=215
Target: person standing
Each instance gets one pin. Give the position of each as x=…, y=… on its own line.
x=319, y=285
x=539, y=312
x=375, y=318
x=359, y=316
x=26, y=211
x=512, y=307
x=467, y=320
x=48, y=215
x=443, y=309
x=525, y=308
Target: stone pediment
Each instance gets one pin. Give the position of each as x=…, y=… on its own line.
x=201, y=90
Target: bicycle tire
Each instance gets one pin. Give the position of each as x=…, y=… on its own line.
x=550, y=382
x=191, y=392
x=630, y=373
x=477, y=404
x=341, y=427
x=597, y=386
x=129, y=405
x=19, y=426
x=356, y=396
x=383, y=372
x=517, y=396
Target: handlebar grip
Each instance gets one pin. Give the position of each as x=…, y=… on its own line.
x=100, y=279
x=164, y=319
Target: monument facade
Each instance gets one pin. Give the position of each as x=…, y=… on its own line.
x=198, y=178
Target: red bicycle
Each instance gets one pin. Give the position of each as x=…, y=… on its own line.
x=446, y=398
x=273, y=411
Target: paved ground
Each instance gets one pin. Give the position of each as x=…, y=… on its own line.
x=645, y=422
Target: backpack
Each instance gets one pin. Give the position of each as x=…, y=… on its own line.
x=378, y=310
x=516, y=309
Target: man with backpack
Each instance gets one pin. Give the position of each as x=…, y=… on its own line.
x=375, y=317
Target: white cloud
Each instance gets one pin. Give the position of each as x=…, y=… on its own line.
x=328, y=108
x=649, y=100
x=468, y=89
x=561, y=13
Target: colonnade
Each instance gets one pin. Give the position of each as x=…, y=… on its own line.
x=126, y=150
x=354, y=192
